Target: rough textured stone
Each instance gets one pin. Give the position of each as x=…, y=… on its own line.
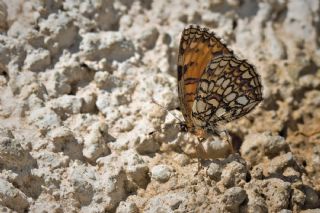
x=90, y=118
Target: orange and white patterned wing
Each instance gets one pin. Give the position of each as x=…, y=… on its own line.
x=228, y=89
x=198, y=46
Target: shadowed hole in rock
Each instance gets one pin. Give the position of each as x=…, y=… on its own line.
x=83, y=82
x=248, y=177
x=310, y=69
x=304, y=163
x=74, y=48
x=4, y=73
x=234, y=24
x=284, y=131
x=281, y=15
x=236, y=141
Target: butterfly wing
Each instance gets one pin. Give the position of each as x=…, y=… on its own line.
x=198, y=46
x=228, y=89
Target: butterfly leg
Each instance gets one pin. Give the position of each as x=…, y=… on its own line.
x=200, y=150
x=228, y=139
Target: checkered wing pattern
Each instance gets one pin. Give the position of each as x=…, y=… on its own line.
x=213, y=85
x=198, y=46
x=228, y=89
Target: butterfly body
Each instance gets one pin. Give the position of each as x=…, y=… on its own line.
x=214, y=86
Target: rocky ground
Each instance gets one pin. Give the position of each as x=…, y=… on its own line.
x=79, y=131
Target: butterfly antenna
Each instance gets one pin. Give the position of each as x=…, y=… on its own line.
x=165, y=109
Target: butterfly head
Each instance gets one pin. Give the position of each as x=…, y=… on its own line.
x=199, y=132
x=183, y=127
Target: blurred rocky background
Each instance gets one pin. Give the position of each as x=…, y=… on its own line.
x=79, y=131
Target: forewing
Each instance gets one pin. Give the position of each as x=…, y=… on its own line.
x=228, y=89
x=198, y=46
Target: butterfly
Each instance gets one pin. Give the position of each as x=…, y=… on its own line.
x=214, y=86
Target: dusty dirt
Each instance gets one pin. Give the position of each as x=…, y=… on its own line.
x=79, y=131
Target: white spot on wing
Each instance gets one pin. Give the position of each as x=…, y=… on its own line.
x=199, y=106
x=213, y=66
x=226, y=83
x=220, y=112
x=198, y=122
x=214, y=102
x=230, y=97
x=204, y=85
x=227, y=91
x=243, y=100
x=219, y=82
x=246, y=75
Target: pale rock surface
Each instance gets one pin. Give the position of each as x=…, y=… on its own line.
x=37, y=60
x=60, y=30
x=110, y=187
x=233, y=198
x=44, y=118
x=161, y=173
x=264, y=145
x=136, y=168
x=12, y=154
x=3, y=16
x=95, y=142
x=127, y=207
x=12, y=197
x=109, y=45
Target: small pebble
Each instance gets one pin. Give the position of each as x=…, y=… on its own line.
x=161, y=173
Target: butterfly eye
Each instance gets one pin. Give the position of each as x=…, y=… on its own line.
x=183, y=127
